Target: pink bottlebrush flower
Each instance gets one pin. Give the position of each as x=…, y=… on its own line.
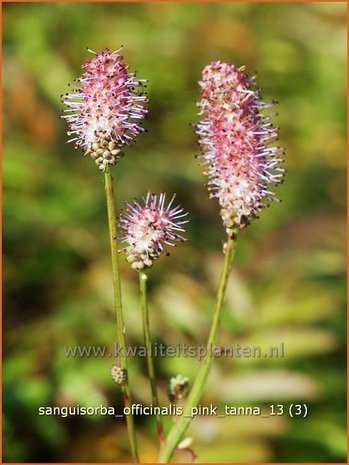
x=105, y=108
x=150, y=228
x=237, y=142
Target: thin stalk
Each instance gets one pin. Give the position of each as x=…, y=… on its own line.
x=121, y=338
x=143, y=278
x=178, y=429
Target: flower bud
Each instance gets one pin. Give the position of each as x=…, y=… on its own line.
x=119, y=374
x=178, y=388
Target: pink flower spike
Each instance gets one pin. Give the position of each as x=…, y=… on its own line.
x=105, y=109
x=237, y=143
x=150, y=228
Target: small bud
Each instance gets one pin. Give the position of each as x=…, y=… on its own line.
x=148, y=262
x=185, y=443
x=178, y=388
x=119, y=374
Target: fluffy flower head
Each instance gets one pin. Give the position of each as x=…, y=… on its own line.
x=105, y=108
x=237, y=144
x=150, y=228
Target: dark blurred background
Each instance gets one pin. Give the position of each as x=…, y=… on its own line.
x=288, y=283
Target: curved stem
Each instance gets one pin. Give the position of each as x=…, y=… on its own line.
x=147, y=341
x=121, y=338
x=178, y=429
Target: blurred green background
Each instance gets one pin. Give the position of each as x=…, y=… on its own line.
x=288, y=283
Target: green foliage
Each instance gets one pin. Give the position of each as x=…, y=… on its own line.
x=288, y=283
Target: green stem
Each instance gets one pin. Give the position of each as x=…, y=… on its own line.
x=147, y=341
x=121, y=338
x=178, y=429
